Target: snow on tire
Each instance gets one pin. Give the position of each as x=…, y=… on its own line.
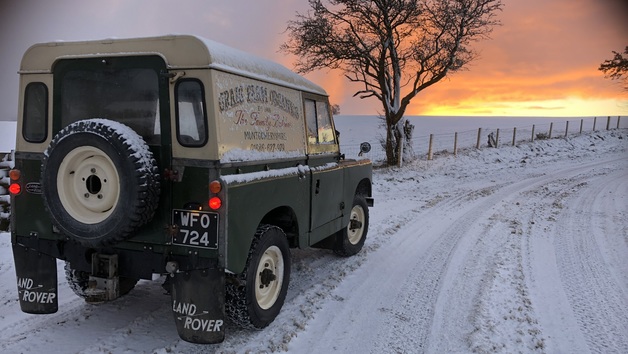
x=255, y=297
x=100, y=182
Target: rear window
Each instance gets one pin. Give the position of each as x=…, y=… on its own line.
x=127, y=95
x=35, y=120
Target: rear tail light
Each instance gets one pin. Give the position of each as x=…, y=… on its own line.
x=15, y=188
x=215, y=202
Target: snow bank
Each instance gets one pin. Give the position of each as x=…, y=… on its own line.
x=7, y=136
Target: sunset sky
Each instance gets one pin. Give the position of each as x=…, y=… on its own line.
x=542, y=61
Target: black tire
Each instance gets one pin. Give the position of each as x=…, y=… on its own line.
x=100, y=182
x=255, y=297
x=79, y=282
x=350, y=240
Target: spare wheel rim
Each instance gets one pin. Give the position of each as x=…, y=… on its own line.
x=269, y=277
x=88, y=184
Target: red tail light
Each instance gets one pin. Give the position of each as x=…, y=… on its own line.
x=15, y=188
x=215, y=203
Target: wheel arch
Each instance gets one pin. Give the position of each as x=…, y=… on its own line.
x=364, y=188
x=286, y=219
x=283, y=217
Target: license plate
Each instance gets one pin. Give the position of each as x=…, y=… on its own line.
x=195, y=228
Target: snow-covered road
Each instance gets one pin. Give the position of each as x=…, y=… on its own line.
x=517, y=249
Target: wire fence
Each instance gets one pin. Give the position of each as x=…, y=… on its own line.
x=425, y=145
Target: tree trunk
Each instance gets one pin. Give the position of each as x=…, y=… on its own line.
x=394, y=141
x=391, y=151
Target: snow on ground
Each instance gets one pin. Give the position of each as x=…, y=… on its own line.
x=516, y=249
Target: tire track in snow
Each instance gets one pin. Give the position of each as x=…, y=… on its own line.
x=504, y=318
x=422, y=288
x=386, y=270
x=592, y=261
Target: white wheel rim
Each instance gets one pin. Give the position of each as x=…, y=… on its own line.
x=355, y=235
x=271, y=262
x=88, y=184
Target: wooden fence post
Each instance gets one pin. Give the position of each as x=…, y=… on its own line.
x=550, y=132
x=581, y=123
x=400, y=153
x=477, y=145
x=566, y=128
x=618, y=117
x=456, y=144
x=594, y=122
x=497, y=139
x=514, y=136
x=429, y=150
x=608, y=123
x=532, y=140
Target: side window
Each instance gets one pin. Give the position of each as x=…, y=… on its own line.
x=325, y=132
x=310, y=118
x=191, y=113
x=35, y=120
x=319, y=128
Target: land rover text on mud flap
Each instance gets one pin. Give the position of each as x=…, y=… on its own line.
x=180, y=157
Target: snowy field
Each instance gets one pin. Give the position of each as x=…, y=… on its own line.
x=516, y=249
x=444, y=130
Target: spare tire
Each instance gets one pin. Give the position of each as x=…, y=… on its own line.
x=100, y=182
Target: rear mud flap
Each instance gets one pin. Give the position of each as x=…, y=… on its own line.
x=36, y=281
x=198, y=305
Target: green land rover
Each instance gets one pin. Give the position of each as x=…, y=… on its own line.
x=182, y=157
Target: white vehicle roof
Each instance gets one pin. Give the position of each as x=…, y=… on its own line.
x=178, y=51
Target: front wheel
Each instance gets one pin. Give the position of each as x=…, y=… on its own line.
x=350, y=240
x=255, y=297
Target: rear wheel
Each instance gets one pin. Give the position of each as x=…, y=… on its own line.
x=255, y=297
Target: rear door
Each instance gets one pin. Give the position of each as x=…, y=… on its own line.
x=130, y=90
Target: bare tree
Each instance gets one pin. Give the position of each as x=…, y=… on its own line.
x=395, y=48
x=616, y=68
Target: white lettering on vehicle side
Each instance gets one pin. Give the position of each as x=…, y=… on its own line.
x=25, y=288
x=191, y=320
